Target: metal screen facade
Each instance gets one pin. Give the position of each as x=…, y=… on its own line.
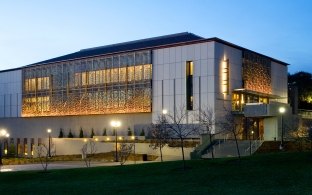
x=98, y=85
x=256, y=73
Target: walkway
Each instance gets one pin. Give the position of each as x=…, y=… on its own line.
x=63, y=165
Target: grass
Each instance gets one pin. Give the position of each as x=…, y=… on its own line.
x=276, y=173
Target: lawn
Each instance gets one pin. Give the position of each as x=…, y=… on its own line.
x=275, y=173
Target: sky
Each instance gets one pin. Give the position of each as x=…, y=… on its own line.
x=37, y=30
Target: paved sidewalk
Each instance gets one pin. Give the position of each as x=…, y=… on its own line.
x=63, y=165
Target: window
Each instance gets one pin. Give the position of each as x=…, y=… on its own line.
x=189, y=85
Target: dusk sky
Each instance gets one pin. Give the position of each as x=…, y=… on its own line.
x=33, y=30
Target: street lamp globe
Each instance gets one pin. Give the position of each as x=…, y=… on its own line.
x=282, y=110
x=3, y=132
x=164, y=111
x=115, y=123
x=49, y=130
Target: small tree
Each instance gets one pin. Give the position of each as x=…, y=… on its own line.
x=104, y=132
x=229, y=124
x=129, y=131
x=181, y=128
x=70, y=135
x=142, y=132
x=61, y=135
x=206, y=119
x=43, y=155
x=88, y=150
x=81, y=133
x=92, y=133
x=160, y=134
x=124, y=152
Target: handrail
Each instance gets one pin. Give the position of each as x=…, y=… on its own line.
x=255, y=145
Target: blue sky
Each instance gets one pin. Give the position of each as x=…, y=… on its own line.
x=33, y=30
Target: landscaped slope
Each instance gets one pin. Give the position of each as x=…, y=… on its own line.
x=274, y=173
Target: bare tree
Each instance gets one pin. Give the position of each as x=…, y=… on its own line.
x=43, y=154
x=88, y=150
x=206, y=119
x=124, y=152
x=229, y=124
x=160, y=134
x=180, y=127
x=300, y=136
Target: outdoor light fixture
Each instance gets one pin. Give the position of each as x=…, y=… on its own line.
x=282, y=110
x=3, y=135
x=164, y=111
x=225, y=76
x=115, y=125
x=49, y=132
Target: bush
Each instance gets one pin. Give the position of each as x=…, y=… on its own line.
x=142, y=133
x=81, y=133
x=104, y=132
x=61, y=135
x=129, y=132
x=92, y=133
x=70, y=135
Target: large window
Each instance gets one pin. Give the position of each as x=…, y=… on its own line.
x=189, y=84
x=113, y=84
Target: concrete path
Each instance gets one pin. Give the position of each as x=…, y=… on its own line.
x=63, y=165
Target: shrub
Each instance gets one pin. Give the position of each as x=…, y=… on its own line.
x=129, y=132
x=81, y=133
x=104, y=132
x=70, y=135
x=61, y=135
x=142, y=133
x=92, y=133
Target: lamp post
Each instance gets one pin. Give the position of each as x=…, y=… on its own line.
x=282, y=110
x=134, y=138
x=115, y=124
x=49, y=132
x=250, y=137
x=3, y=135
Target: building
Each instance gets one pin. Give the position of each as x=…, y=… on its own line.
x=134, y=81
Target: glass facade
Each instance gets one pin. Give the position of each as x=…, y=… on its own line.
x=239, y=100
x=98, y=85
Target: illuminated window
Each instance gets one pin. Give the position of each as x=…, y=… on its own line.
x=115, y=75
x=147, y=71
x=138, y=73
x=107, y=75
x=109, y=90
x=84, y=80
x=77, y=79
x=189, y=84
x=43, y=83
x=130, y=73
x=122, y=74
x=91, y=78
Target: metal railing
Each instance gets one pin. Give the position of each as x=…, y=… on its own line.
x=255, y=144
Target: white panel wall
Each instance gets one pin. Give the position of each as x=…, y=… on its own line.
x=169, y=67
x=279, y=81
x=10, y=93
x=224, y=52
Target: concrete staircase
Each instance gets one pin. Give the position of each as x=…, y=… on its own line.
x=228, y=148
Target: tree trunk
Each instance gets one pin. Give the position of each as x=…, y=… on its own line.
x=238, y=153
x=160, y=150
x=182, y=148
x=210, y=139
